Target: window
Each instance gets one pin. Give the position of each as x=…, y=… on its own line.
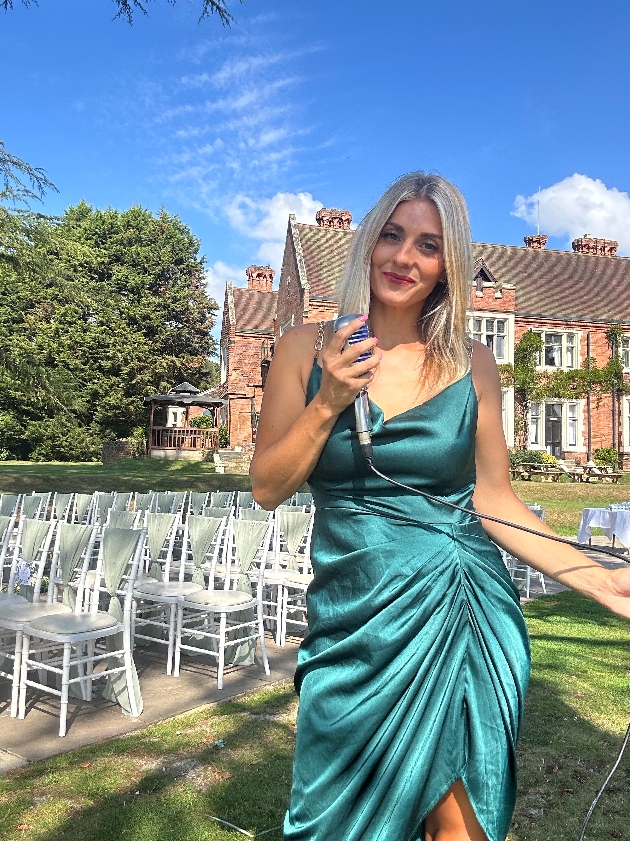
x=555, y=426
x=625, y=352
x=572, y=424
x=559, y=350
x=287, y=325
x=491, y=332
x=534, y=423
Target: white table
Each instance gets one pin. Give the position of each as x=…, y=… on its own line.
x=612, y=523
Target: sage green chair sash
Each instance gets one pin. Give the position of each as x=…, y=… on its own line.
x=244, y=499
x=119, y=548
x=164, y=503
x=144, y=502
x=258, y=514
x=104, y=502
x=81, y=505
x=294, y=525
x=216, y=511
x=220, y=499
x=73, y=541
x=196, y=502
x=33, y=534
x=122, y=501
x=7, y=504
x=121, y=519
x=4, y=522
x=31, y=505
x=248, y=536
x=201, y=534
x=60, y=503
x=159, y=527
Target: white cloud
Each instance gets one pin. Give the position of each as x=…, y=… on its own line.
x=579, y=205
x=266, y=220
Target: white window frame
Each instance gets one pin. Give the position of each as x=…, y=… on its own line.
x=625, y=423
x=287, y=325
x=507, y=414
x=579, y=446
x=564, y=334
x=624, y=350
x=491, y=315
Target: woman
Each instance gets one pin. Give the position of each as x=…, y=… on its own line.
x=413, y=675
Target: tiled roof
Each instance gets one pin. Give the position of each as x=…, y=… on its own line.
x=549, y=283
x=254, y=310
x=325, y=251
x=561, y=283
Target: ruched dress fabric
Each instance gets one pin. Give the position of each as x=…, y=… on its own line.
x=414, y=670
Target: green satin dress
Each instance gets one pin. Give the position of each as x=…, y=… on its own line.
x=414, y=671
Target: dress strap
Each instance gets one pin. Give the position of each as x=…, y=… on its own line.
x=319, y=341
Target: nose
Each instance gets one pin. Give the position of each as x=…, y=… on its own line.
x=405, y=253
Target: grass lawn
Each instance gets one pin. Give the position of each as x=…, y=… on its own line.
x=166, y=781
x=564, y=501
x=124, y=475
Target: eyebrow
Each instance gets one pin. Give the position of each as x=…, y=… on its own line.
x=422, y=234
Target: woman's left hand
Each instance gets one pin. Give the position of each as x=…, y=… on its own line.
x=616, y=595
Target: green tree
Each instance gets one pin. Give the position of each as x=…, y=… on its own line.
x=102, y=307
x=21, y=182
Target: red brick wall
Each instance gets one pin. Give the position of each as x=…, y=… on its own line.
x=489, y=301
x=290, y=300
x=601, y=408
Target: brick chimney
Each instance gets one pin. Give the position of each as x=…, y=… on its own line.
x=592, y=245
x=260, y=278
x=537, y=241
x=330, y=217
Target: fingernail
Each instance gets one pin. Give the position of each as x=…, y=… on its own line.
x=375, y=339
x=363, y=318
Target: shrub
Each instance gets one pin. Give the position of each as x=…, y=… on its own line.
x=202, y=422
x=531, y=456
x=549, y=459
x=138, y=442
x=606, y=457
x=62, y=439
x=224, y=437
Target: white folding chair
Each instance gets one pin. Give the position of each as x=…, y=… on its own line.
x=239, y=611
x=76, y=635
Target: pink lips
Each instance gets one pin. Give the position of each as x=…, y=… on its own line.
x=402, y=280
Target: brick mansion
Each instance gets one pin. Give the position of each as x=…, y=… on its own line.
x=570, y=297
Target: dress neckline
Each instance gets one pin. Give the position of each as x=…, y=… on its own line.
x=386, y=422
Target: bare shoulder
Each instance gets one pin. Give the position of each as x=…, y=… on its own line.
x=484, y=370
x=295, y=350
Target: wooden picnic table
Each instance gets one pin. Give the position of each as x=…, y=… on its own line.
x=547, y=472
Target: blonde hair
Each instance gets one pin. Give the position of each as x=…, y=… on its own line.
x=442, y=324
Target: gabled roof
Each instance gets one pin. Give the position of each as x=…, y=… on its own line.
x=561, y=283
x=185, y=388
x=325, y=251
x=251, y=310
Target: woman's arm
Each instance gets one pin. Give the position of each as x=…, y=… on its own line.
x=494, y=495
x=291, y=435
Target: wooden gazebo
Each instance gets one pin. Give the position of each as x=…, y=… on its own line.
x=170, y=432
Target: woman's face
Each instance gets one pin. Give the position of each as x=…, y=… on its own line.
x=408, y=258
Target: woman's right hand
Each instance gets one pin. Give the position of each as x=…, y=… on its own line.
x=342, y=379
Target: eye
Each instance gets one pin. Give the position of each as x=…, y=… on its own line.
x=430, y=246
x=392, y=236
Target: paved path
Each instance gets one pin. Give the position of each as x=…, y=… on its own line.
x=164, y=697
x=36, y=737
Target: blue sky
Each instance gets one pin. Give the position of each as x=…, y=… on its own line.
x=308, y=103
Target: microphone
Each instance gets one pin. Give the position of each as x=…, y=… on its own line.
x=362, y=416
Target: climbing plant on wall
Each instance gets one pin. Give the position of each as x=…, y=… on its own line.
x=532, y=385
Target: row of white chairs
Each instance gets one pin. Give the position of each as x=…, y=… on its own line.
x=91, y=509
x=201, y=584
